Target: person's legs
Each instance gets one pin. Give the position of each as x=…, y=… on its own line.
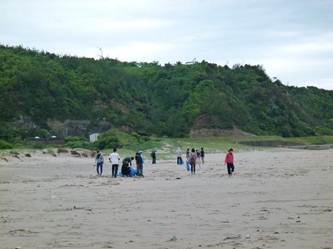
x=232, y=168
x=140, y=173
x=97, y=168
x=100, y=169
x=113, y=169
x=193, y=168
x=141, y=170
x=229, y=168
x=117, y=166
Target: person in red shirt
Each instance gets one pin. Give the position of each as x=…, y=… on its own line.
x=229, y=160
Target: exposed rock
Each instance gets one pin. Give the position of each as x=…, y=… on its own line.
x=15, y=153
x=75, y=153
x=93, y=153
x=62, y=150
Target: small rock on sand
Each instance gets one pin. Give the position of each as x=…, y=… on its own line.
x=173, y=238
x=238, y=236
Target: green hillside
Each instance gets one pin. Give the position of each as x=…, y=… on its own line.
x=151, y=99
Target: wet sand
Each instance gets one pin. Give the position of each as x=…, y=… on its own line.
x=279, y=198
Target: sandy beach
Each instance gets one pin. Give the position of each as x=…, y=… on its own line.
x=278, y=198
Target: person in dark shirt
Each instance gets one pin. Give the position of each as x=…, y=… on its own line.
x=202, y=154
x=126, y=167
x=139, y=164
x=153, y=157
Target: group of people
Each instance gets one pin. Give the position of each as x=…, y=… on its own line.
x=193, y=157
x=127, y=169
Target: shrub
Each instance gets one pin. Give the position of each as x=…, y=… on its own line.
x=78, y=142
x=5, y=145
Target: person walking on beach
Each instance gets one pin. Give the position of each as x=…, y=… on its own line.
x=179, y=156
x=99, y=163
x=153, y=157
x=202, y=155
x=139, y=164
x=187, y=153
x=198, y=157
x=192, y=160
x=114, y=159
x=229, y=160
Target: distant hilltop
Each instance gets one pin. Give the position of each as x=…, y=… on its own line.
x=170, y=100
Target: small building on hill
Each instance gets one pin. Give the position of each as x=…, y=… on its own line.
x=93, y=137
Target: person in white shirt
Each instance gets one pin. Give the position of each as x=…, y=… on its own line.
x=114, y=159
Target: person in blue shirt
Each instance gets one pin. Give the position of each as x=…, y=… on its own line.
x=99, y=163
x=139, y=163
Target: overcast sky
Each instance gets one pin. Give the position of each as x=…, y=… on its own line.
x=292, y=39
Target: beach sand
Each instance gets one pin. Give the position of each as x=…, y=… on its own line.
x=278, y=198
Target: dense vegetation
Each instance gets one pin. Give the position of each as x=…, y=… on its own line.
x=152, y=99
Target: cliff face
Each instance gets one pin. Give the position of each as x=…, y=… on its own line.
x=75, y=96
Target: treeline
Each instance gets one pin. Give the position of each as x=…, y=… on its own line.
x=149, y=98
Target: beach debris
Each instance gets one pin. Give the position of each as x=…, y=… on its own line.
x=238, y=236
x=75, y=153
x=27, y=155
x=3, y=158
x=108, y=244
x=62, y=150
x=173, y=238
x=21, y=232
x=16, y=156
x=81, y=208
x=248, y=236
x=178, y=178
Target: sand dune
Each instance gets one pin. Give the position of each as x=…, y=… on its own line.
x=281, y=198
